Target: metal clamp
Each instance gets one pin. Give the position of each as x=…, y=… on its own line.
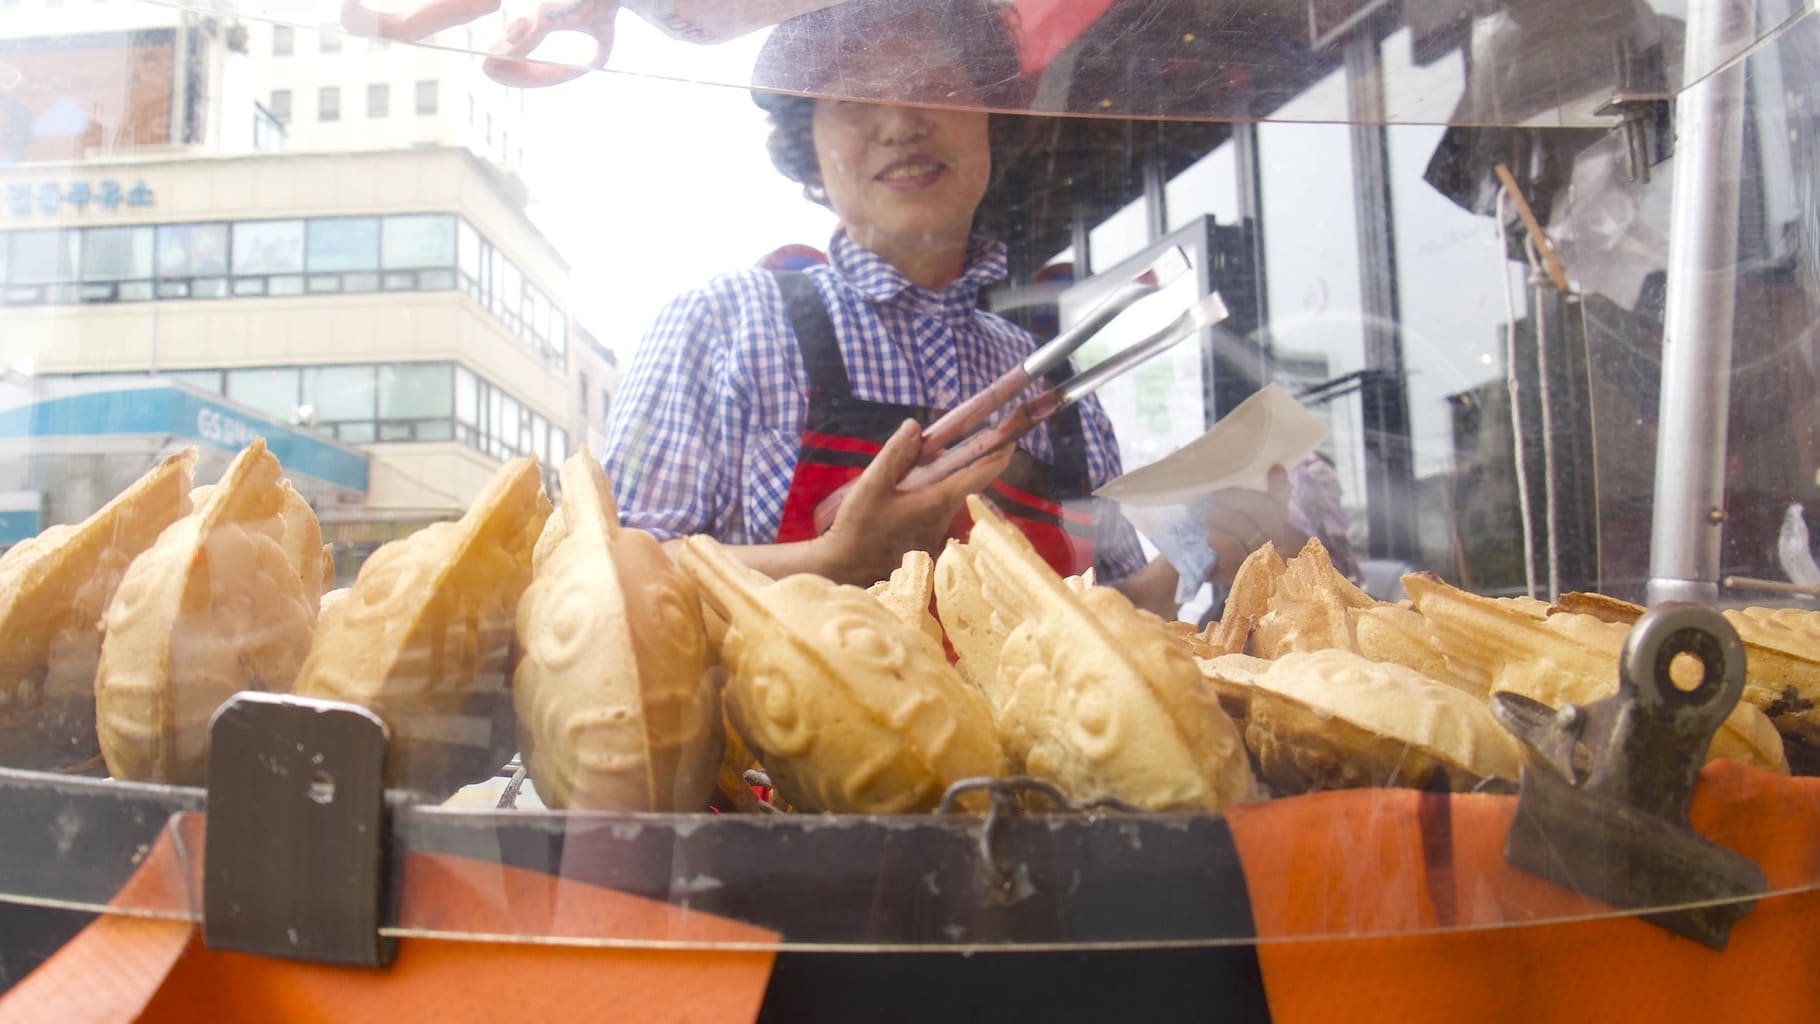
x=294, y=861
x=1603, y=805
x=1006, y=883
x=1641, y=103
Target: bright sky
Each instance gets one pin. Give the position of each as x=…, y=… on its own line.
x=650, y=187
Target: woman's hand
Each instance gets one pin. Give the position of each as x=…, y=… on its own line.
x=877, y=523
x=1242, y=520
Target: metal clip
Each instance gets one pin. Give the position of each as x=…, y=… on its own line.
x=1005, y=883
x=1603, y=804
x=1641, y=102
x=294, y=863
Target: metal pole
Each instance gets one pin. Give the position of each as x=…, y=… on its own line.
x=1389, y=456
x=1697, y=319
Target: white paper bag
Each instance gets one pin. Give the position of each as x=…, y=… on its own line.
x=1168, y=500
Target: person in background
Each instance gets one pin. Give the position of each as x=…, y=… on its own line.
x=755, y=396
x=1315, y=509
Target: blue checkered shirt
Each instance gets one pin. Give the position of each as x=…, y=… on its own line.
x=705, y=429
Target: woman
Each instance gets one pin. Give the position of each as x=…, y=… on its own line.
x=756, y=395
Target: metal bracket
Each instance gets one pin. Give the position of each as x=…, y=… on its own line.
x=1005, y=883
x=1641, y=103
x=294, y=864
x=1603, y=804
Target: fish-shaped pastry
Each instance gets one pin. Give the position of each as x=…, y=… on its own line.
x=618, y=704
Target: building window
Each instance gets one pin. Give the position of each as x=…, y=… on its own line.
x=342, y=243
x=379, y=99
x=117, y=254
x=426, y=97
x=268, y=132
x=270, y=390
x=328, y=41
x=337, y=395
x=284, y=40
x=280, y=107
x=416, y=402
x=472, y=116
x=418, y=242
x=317, y=256
x=268, y=247
x=328, y=103
x=487, y=136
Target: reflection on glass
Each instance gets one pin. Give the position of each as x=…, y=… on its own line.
x=1311, y=263
x=270, y=390
x=186, y=250
x=1210, y=186
x=414, y=391
x=340, y=392
x=467, y=397
x=1119, y=235
x=1455, y=291
x=117, y=254
x=268, y=247
x=418, y=241
x=343, y=243
x=43, y=257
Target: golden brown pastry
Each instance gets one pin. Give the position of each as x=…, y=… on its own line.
x=1605, y=609
x=425, y=637
x=617, y=707
x=1332, y=719
x=1308, y=608
x=1398, y=635
x=54, y=590
x=213, y=608
x=302, y=539
x=849, y=709
x=1782, y=661
x=1782, y=655
x=1565, y=658
x=972, y=620
x=1248, y=599
x=909, y=591
x=1097, y=699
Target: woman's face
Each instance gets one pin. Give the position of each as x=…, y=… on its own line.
x=902, y=176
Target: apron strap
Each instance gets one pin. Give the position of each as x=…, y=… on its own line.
x=1068, y=442
x=815, y=337
x=827, y=372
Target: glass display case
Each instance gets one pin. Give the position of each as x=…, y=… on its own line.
x=319, y=319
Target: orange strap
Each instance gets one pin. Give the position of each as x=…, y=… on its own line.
x=122, y=969
x=1376, y=861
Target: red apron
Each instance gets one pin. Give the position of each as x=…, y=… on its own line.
x=842, y=433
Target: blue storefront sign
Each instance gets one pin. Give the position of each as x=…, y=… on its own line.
x=18, y=524
x=47, y=198
x=169, y=410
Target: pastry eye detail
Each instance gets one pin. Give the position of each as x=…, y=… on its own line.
x=775, y=700
x=866, y=641
x=681, y=624
x=1094, y=722
x=566, y=621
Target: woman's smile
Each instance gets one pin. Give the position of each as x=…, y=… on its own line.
x=911, y=173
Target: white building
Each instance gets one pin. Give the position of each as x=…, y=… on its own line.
x=367, y=288
x=336, y=92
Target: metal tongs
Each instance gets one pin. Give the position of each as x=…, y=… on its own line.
x=1604, y=799
x=961, y=437
x=507, y=63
